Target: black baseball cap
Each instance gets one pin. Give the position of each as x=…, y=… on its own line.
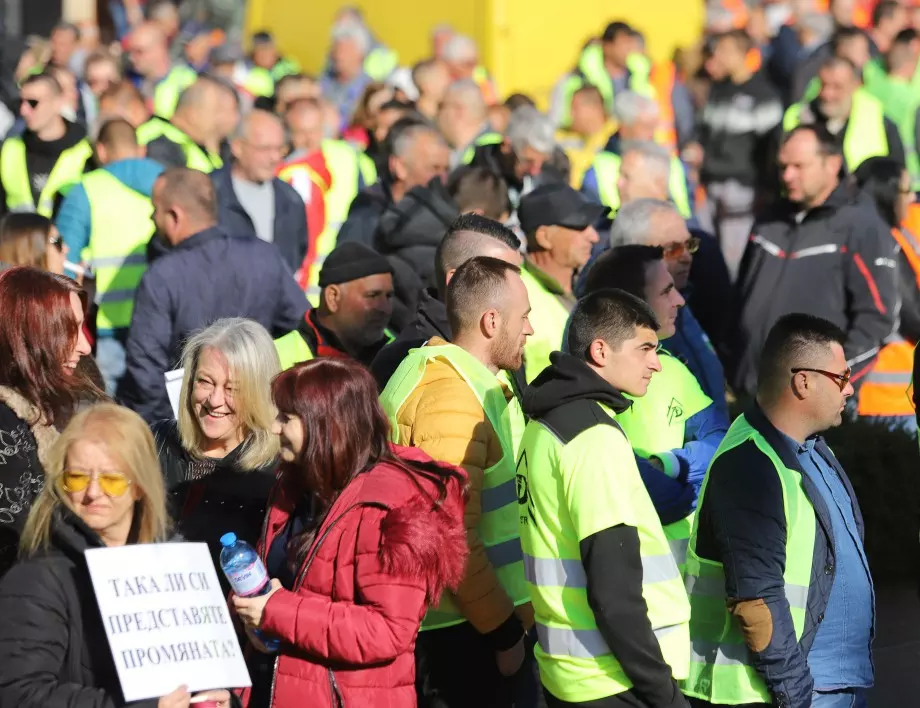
x=558, y=205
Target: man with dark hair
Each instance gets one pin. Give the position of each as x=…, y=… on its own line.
x=675, y=427
x=450, y=401
x=479, y=190
x=106, y=220
x=355, y=306
x=782, y=603
x=899, y=91
x=469, y=236
x=65, y=48
x=888, y=18
x=559, y=225
x=823, y=246
x=39, y=167
x=848, y=111
x=589, y=133
x=611, y=610
x=206, y=274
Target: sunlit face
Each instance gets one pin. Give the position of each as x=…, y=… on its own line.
x=289, y=429
x=670, y=233
x=39, y=105
x=100, y=75
x=637, y=181
x=630, y=367
x=361, y=309
x=823, y=397
x=214, y=401
x=529, y=162
x=663, y=297
x=104, y=513
x=508, y=346
x=806, y=173
x=837, y=88
x=571, y=248
x=260, y=150
x=81, y=346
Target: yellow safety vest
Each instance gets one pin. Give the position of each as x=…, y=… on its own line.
x=380, y=62
x=865, y=135
x=150, y=130
x=721, y=668
x=607, y=172
x=14, y=173
x=548, y=317
x=498, y=526
x=571, y=480
x=121, y=226
x=167, y=92
x=195, y=157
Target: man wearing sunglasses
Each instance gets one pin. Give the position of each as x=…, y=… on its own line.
x=782, y=601
x=40, y=166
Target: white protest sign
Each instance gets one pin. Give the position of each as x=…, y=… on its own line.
x=174, y=389
x=166, y=619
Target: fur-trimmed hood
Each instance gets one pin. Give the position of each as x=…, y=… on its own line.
x=44, y=433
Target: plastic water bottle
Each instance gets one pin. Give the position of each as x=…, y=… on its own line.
x=246, y=574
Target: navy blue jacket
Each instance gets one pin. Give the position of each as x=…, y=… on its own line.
x=290, y=216
x=206, y=277
x=742, y=525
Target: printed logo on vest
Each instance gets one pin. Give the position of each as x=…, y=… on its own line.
x=523, y=495
x=675, y=411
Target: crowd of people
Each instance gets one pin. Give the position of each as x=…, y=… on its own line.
x=518, y=407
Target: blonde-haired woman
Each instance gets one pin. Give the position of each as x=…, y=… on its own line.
x=219, y=458
x=103, y=488
x=32, y=240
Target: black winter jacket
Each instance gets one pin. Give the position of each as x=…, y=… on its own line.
x=408, y=235
x=53, y=648
x=209, y=497
x=364, y=214
x=742, y=524
x=838, y=261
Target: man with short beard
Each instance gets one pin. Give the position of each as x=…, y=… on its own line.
x=454, y=402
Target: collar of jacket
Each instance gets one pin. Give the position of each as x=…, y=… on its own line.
x=839, y=197
x=548, y=282
x=44, y=433
x=324, y=342
x=202, y=237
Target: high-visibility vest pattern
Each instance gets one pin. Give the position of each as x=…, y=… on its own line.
x=167, y=92
x=567, y=492
x=498, y=526
x=721, y=669
x=14, y=173
x=195, y=157
x=121, y=226
x=548, y=317
x=607, y=172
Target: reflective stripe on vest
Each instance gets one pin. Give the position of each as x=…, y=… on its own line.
x=489, y=138
x=121, y=226
x=721, y=668
x=607, y=173
x=195, y=157
x=576, y=664
x=498, y=525
x=14, y=173
x=167, y=92
x=151, y=130
x=865, y=134
x=344, y=164
x=548, y=317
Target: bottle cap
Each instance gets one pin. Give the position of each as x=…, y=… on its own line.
x=228, y=539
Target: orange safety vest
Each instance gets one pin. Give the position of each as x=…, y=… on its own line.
x=885, y=391
x=662, y=79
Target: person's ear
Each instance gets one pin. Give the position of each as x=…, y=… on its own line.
x=834, y=164
x=544, y=238
x=333, y=297
x=449, y=275
x=102, y=154
x=597, y=353
x=490, y=323
x=236, y=147
x=800, y=385
x=397, y=168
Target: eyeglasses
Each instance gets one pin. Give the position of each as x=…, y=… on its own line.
x=840, y=379
x=31, y=102
x=673, y=251
x=113, y=484
x=57, y=241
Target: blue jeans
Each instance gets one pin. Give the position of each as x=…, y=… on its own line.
x=110, y=358
x=847, y=698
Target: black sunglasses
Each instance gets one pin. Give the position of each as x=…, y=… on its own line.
x=840, y=379
x=33, y=102
x=57, y=241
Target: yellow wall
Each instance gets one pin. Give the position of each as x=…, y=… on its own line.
x=526, y=44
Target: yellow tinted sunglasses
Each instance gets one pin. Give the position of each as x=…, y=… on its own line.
x=113, y=484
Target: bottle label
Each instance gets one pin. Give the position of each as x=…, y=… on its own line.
x=247, y=580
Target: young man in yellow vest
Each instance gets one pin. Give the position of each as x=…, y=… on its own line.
x=39, y=167
x=782, y=602
x=453, y=401
x=610, y=607
x=107, y=220
x=162, y=81
x=675, y=428
x=559, y=225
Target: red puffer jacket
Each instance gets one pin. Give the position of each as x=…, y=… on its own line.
x=383, y=554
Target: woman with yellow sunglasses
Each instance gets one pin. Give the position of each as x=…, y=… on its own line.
x=103, y=488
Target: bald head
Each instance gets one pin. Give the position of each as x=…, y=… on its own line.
x=258, y=147
x=117, y=141
x=202, y=108
x=463, y=112
x=304, y=121
x=148, y=50
x=184, y=203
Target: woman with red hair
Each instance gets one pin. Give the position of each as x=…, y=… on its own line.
x=41, y=344
x=361, y=537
